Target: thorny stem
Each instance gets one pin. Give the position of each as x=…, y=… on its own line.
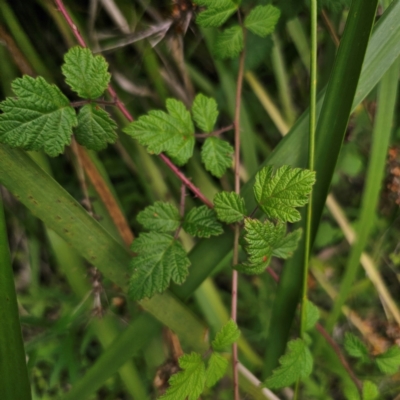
x=239, y=86
x=330, y=341
x=215, y=133
x=127, y=115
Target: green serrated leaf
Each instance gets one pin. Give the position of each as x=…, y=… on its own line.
x=202, y=222
x=229, y=207
x=250, y=269
x=370, y=391
x=172, y=133
x=286, y=245
x=85, y=73
x=205, y=112
x=216, y=155
x=354, y=346
x=296, y=363
x=229, y=43
x=188, y=383
x=262, y=20
x=312, y=315
x=228, y=335
x=279, y=192
x=39, y=118
x=216, y=14
x=161, y=217
x=216, y=368
x=160, y=259
x=389, y=361
x=95, y=128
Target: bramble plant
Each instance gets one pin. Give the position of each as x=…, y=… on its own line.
x=275, y=216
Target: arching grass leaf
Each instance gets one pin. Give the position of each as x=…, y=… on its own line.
x=39, y=118
x=85, y=73
x=95, y=128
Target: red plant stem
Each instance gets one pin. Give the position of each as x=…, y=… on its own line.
x=128, y=116
x=235, y=276
x=215, y=133
x=329, y=340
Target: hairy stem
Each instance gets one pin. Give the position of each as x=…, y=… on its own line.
x=128, y=116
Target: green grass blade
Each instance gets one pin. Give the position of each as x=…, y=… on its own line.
x=380, y=142
x=60, y=212
x=14, y=381
x=331, y=127
x=122, y=349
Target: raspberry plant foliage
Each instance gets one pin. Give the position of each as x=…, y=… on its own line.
x=41, y=117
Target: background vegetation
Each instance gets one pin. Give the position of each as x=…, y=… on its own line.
x=84, y=338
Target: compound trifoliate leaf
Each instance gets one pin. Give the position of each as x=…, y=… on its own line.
x=296, y=363
x=172, y=132
x=95, y=128
x=389, y=361
x=227, y=335
x=216, y=368
x=355, y=347
x=370, y=391
x=217, y=13
x=161, y=217
x=85, y=73
x=312, y=315
x=39, y=118
x=229, y=207
x=160, y=259
x=189, y=383
x=286, y=245
x=229, y=43
x=202, y=222
x=216, y=155
x=279, y=192
x=205, y=112
x=262, y=20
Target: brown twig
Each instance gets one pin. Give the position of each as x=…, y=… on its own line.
x=329, y=340
x=235, y=276
x=81, y=103
x=331, y=29
x=128, y=116
x=215, y=133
